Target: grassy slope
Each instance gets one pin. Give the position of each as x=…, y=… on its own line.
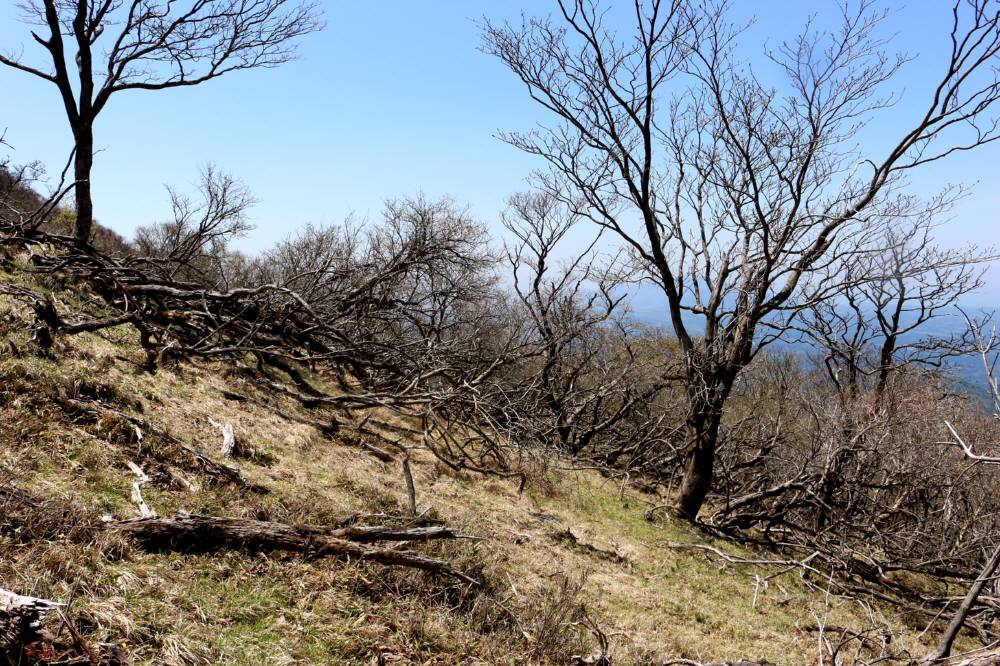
x=273, y=609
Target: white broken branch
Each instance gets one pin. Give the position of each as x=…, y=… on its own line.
x=228, y=437
x=969, y=453
x=144, y=510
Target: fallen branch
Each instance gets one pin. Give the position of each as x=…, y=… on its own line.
x=381, y=454
x=570, y=536
x=411, y=491
x=804, y=563
x=981, y=657
x=227, y=473
x=220, y=471
x=967, y=449
x=21, y=617
x=340, y=437
x=81, y=644
x=144, y=510
x=228, y=437
x=944, y=647
x=844, y=587
x=208, y=533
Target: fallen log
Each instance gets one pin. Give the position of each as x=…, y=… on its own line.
x=21, y=617
x=188, y=532
x=22, y=637
x=990, y=658
x=357, y=442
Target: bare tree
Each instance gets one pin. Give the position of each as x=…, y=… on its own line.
x=149, y=45
x=583, y=375
x=986, y=341
x=191, y=246
x=874, y=327
x=730, y=194
x=16, y=181
x=21, y=206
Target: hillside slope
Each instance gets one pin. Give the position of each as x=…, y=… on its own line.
x=566, y=563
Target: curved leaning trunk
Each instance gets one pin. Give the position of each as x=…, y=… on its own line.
x=702, y=430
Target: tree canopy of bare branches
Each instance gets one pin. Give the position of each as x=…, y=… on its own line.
x=730, y=192
x=191, y=247
x=147, y=46
x=588, y=379
x=888, y=297
x=394, y=313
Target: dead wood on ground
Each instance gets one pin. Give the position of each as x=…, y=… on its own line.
x=209, y=533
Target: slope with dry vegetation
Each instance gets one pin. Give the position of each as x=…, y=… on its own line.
x=402, y=441
x=568, y=566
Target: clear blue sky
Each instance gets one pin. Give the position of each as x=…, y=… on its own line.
x=394, y=97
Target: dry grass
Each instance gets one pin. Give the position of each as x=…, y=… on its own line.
x=236, y=608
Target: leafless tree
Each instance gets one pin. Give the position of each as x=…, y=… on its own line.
x=731, y=194
x=587, y=378
x=986, y=341
x=21, y=206
x=874, y=327
x=403, y=292
x=148, y=45
x=16, y=195
x=397, y=313
x=191, y=247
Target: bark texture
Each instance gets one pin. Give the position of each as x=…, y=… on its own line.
x=209, y=533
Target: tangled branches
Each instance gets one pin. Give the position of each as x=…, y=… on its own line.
x=389, y=317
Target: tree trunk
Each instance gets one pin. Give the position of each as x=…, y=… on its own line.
x=703, y=434
x=82, y=165
x=885, y=367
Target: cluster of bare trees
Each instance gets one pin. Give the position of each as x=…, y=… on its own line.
x=753, y=207
x=747, y=204
x=386, y=310
x=733, y=194
x=887, y=300
x=591, y=376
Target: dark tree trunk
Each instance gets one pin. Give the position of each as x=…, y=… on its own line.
x=702, y=430
x=82, y=165
x=886, y=355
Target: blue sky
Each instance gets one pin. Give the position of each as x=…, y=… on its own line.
x=394, y=97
